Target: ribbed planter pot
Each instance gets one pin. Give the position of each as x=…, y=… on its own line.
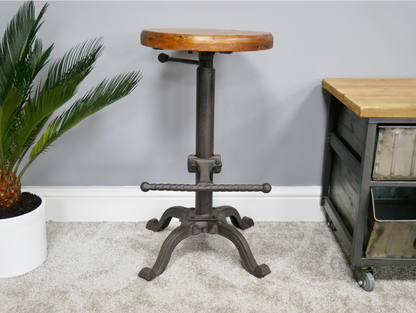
x=23, y=242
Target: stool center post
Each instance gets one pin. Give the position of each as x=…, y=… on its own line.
x=205, y=108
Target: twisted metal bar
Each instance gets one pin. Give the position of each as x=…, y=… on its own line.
x=266, y=188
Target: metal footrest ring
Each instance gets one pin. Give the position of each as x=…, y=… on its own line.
x=266, y=187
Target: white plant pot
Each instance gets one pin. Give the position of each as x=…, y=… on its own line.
x=23, y=242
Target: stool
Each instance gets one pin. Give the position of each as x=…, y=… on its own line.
x=204, y=218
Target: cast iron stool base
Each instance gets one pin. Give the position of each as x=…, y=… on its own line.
x=192, y=224
x=204, y=218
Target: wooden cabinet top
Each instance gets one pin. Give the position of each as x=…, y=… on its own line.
x=206, y=40
x=378, y=97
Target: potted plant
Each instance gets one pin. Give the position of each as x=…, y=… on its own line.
x=25, y=108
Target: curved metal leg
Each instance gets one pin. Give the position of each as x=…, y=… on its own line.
x=175, y=211
x=174, y=238
x=243, y=248
x=229, y=211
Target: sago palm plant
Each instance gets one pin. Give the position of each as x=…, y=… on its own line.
x=26, y=107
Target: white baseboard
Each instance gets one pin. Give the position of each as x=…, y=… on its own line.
x=130, y=204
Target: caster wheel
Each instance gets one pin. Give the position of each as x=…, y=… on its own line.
x=369, y=283
x=329, y=222
x=331, y=226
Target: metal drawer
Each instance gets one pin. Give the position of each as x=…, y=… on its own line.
x=393, y=223
x=395, y=157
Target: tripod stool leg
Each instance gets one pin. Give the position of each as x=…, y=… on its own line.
x=176, y=211
x=243, y=248
x=174, y=238
x=232, y=213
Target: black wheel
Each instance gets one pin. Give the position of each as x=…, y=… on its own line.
x=369, y=283
x=329, y=223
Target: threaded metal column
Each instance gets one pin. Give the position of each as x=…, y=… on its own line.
x=205, y=107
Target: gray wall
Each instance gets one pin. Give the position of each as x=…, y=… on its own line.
x=270, y=113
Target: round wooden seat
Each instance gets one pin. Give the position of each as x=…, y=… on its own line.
x=206, y=40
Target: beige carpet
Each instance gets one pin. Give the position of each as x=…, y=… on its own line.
x=92, y=267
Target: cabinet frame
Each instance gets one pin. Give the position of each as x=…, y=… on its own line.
x=361, y=167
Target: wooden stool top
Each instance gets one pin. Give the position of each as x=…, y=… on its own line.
x=206, y=40
x=380, y=97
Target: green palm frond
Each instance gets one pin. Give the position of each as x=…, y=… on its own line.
x=34, y=117
x=8, y=114
x=106, y=93
x=26, y=109
x=21, y=58
x=14, y=39
x=17, y=57
x=76, y=64
x=64, y=77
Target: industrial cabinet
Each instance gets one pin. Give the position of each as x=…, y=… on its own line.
x=369, y=172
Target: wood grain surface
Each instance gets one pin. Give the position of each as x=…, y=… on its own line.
x=375, y=97
x=206, y=40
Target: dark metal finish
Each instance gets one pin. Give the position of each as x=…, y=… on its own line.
x=204, y=218
x=340, y=228
x=357, y=152
x=364, y=191
x=229, y=232
x=205, y=104
x=163, y=58
x=232, y=213
x=345, y=155
x=193, y=224
x=194, y=164
x=344, y=192
x=392, y=121
x=330, y=128
x=398, y=183
x=176, y=211
x=174, y=238
x=266, y=188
